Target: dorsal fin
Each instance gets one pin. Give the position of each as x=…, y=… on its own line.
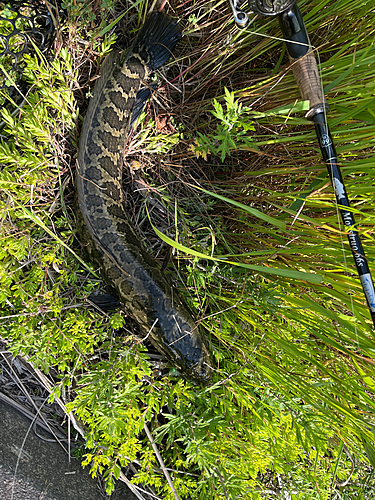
x=143, y=96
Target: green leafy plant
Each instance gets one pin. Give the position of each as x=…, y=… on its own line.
x=147, y=139
x=232, y=130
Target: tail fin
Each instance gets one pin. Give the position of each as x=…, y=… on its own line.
x=156, y=40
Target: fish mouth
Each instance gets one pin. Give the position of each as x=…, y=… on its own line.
x=201, y=371
x=204, y=374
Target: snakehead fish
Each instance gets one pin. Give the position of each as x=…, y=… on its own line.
x=112, y=243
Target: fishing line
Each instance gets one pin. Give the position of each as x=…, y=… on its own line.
x=309, y=80
x=335, y=192
x=344, y=258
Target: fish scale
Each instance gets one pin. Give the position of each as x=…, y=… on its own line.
x=104, y=225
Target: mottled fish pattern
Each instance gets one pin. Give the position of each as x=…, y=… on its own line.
x=112, y=243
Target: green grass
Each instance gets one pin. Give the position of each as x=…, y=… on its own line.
x=258, y=251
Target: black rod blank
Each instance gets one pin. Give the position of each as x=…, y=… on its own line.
x=306, y=73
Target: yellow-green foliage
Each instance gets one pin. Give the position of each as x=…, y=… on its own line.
x=291, y=403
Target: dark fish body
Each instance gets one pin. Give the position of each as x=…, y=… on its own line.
x=112, y=243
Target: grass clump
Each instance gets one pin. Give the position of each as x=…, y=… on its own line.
x=241, y=196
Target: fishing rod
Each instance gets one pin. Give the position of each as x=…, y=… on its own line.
x=306, y=73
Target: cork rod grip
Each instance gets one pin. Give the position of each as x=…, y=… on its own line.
x=306, y=73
